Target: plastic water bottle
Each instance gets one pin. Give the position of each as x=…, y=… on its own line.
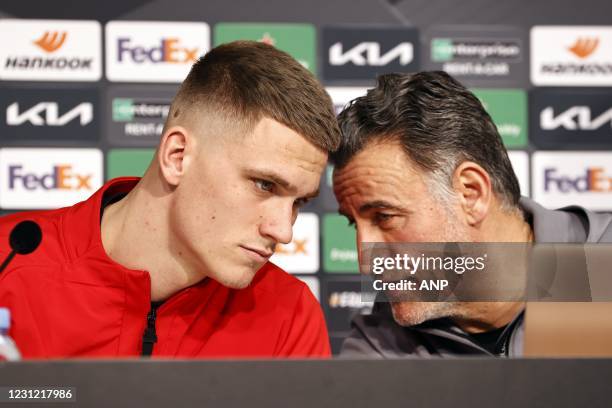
x=8, y=349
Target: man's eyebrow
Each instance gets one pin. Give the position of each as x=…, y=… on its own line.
x=370, y=205
x=378, y=204
x=272, y=176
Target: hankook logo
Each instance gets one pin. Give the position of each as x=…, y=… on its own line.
x=63, y=50
x=583, y=47
x=571, y=55
x=51, y=41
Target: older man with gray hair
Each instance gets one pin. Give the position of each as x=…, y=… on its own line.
x=422, y=161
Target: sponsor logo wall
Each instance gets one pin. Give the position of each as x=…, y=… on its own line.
x=73, y=114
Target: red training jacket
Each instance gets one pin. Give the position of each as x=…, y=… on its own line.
x=69, y=299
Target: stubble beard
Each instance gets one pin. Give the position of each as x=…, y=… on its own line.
x=413, y=313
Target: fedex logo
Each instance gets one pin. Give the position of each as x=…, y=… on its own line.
x=594, y=179
x=581, y=178
x=61, y=177
x=153, y=51
x=37, y=178
x=168, y=50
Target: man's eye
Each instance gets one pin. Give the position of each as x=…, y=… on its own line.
x=380, y=218
x=264, y=185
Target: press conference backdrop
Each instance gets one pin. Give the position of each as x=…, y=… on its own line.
x=85, y=88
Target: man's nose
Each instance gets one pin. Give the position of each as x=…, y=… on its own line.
x=278, y=225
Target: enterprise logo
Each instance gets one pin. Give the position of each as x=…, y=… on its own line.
x=446, y=49
x=482, y=56
x=125, y=110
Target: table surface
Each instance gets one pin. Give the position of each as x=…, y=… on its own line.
x=461, y=382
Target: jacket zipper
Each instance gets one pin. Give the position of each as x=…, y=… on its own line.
x=149, y=338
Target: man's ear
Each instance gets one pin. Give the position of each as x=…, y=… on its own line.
x=473, y=185
x=172, y=154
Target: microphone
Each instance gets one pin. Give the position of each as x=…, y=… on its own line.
x=24, y=239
